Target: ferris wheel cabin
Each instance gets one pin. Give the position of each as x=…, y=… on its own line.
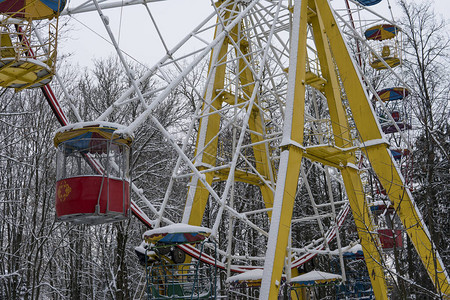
x=386, y=47
x=368, y=2
x=93, y=173
x=32, y=9
x=27, y=62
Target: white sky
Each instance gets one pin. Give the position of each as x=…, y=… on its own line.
x=176, y=18
x=138, y=38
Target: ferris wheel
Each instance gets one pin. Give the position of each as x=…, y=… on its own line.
x=293, y=132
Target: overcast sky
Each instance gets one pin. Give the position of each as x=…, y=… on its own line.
x=176, y=18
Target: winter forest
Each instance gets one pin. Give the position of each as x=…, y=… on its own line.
x=42, y=258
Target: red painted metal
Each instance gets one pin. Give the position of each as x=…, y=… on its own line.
x=78, y=196
x=396, y=115
x=390, y=238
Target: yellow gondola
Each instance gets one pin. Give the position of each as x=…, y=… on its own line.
x=24, y=61
x=392, y=62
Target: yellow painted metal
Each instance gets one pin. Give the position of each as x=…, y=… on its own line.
x=290, y=160
x=314, y=80
x=211, y=124
x=230, y=98
x=391, y=179
x=239, y=175
x=352, y=181
x=287, y=178
x=329, y=155
x=369, y=242
x=105, y=132
x=378, y=154
x=22, y=73
x=361, y=110
x=328, y=42
x=6, y=47
x=255, y=124
x=390, y=61
x=23, y=63
x=299, y=293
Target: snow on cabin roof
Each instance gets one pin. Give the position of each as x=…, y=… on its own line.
x=380, y=202
x=313, y=276
x=348, y=250
x=354, y=249
x=176, y=228
x=141, y=248
x=144, y=251
x=248, y=275
x=91, y=124
x=76, y=135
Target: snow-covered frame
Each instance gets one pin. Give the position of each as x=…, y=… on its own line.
x=271, y=44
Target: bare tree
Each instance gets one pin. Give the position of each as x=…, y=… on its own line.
x=426, y=70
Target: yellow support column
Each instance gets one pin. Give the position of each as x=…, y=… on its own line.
x=352, y=181
x=207, y=140
x=378, y=154
x=392, y=180
x=255, y=124
x=290, y=159
x=368, y=240
x=210, y=125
